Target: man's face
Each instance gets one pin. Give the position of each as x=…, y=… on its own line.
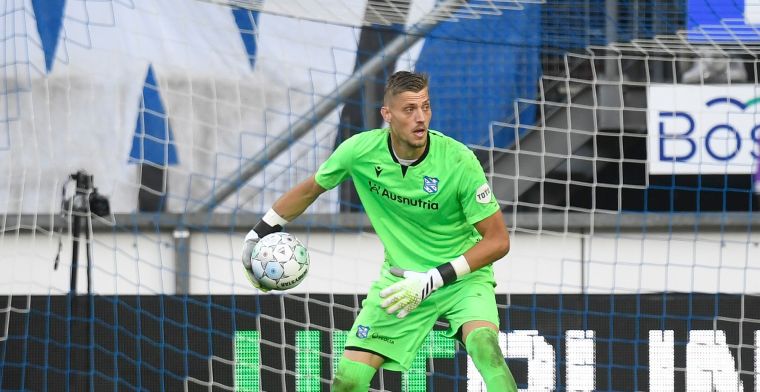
x=409, y=116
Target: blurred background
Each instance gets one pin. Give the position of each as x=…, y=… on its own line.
x=140, y=140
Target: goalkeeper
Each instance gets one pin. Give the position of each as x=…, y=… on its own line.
x=429, y=202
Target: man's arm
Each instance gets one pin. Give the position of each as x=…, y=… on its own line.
x=295, y=201
x=288, y=207
x=493, y=246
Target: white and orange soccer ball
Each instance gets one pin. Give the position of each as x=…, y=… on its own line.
x=279, y=261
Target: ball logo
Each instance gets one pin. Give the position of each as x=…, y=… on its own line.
x=483, y=194
x=279, y=261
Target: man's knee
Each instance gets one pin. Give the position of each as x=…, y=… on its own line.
x=342, y=385
x=483, y=346
x=352, y=376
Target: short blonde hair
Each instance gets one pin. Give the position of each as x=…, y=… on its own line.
x=403, y=81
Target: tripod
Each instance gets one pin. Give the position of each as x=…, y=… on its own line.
x=82, y=309
x=76, y=233
x=85, y=204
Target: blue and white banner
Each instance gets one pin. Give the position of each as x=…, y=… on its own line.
x=703, y=129
x=197, y=89
x=192, y=87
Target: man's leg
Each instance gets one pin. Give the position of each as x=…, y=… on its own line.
x=355, y=371
x=481, y=338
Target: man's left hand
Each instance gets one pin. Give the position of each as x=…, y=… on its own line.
x=250, y=241
x=406, y=295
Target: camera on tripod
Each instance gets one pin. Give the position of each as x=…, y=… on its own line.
x=86, y=199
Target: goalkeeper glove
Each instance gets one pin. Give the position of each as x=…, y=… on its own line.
x=250, y=241
x=270, y=223
x=406, y=295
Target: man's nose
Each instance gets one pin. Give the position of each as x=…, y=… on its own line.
x=419, y=115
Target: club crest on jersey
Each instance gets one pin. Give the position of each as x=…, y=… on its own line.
x=429, y=184
x=362, y=331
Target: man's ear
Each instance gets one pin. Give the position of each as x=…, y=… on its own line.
x=385, y=113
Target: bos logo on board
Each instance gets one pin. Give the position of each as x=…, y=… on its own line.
x=703, y=129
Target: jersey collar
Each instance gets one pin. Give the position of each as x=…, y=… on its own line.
x=419, y=160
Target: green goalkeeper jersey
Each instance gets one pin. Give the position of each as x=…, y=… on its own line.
x=423, y=213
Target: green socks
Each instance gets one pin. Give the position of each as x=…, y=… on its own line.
x=483, y=346
x=352, y=376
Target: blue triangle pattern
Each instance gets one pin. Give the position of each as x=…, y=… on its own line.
x=49, y=17
x=247, y=21
x=154, y=140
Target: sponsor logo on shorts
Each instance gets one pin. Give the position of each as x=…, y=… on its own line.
x=383, y=338
x=362, y=332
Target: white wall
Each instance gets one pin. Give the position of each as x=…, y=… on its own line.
x=686, y=262
x=143, y=263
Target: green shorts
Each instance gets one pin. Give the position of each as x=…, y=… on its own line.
x=399, y=339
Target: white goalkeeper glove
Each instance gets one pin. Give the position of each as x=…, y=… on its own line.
x=250, y=241
x=406, y=295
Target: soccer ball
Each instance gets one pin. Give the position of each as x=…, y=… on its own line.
x=279, y=261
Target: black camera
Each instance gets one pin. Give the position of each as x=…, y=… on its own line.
x=86, y=198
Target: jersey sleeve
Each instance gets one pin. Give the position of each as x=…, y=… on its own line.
x=475, y=194
x=337, y=167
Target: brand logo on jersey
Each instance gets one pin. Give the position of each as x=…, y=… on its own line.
x=430, y=184
x=378, y=170
x=381, y=191
x=362, y=331
x=483, y=194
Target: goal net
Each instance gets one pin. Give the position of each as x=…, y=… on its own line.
x=140, y=141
